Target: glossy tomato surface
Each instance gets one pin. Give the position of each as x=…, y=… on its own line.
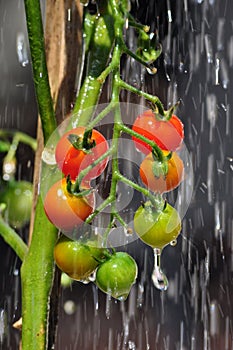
x=168, y=135
x=65, y=210
x=163, y=183
x=72, y=161
x=117, y=275
x=157, y=228
x=76, y=259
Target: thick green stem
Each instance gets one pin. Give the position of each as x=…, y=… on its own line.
x=40, y=74
x=13, y=239
x=37, y=278
x=100, y=46
x=37, y=270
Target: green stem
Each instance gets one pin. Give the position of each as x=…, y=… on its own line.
x=101, y=115
x=37, y=273
x=149, y=142
x=154, y=99
x=40, y=73
x=85, y=171
x=20, y=137
x=100, y=208
x=140, y=60
x=100, y=46
x=13, y=239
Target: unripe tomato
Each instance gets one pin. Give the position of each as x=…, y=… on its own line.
x=18, y=199
x=167, y=134
x=76, y=259
x=116, y=275
x=65, y=210
x=162, y=183
x=72, y=161
x=157, y=228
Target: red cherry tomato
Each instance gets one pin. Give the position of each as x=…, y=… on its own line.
x=72, y=161
x=162, y=183
x=65, y=210
x=168, y=135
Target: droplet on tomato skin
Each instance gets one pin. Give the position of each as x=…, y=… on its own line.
x=173, y=243
x=122, y=297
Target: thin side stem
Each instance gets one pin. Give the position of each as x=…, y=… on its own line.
x=12, y=238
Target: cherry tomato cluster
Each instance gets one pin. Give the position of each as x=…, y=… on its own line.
x=114, y=273
x=77, y=149
x=70, y=201
x=160, y=172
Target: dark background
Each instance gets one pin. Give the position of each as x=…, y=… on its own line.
x=196, y=311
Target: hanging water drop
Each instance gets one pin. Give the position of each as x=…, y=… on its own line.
x=173, y=243
x=159, y=279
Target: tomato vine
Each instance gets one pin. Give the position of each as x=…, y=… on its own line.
x=105, y=45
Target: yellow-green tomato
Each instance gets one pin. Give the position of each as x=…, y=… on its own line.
x=116, y=275
x=76, y=259
x=157, y=228
x=17, y=195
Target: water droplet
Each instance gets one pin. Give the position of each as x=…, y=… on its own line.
x=159, y=279
x=69, y=307
x=151, y=71
x=173, y=243
x=122, y=297
x=85, y=281
x=48, y=156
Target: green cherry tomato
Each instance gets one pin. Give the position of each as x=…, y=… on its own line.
x=76, y=259
x=17, y=195
x=157, y=228
x=116, y=275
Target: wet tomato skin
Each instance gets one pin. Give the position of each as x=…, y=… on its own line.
x=72, y=161
x=168, y=135
x=162, y=183
x=157, y=228
x=117, y=275
x=65, y=210
x=77, y=259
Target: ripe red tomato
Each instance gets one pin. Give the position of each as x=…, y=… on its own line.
x=72, y=161
x=168, y=135
x=157, y=228
x=162, y=183
x=64, y=210
x=77, y=259
x=116, y=275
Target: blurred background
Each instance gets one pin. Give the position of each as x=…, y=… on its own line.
x=196, y=67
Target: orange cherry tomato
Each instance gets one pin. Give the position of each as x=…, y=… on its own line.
x=67, y=211
x=162, y=183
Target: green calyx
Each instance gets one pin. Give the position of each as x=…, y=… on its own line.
x=84, y=143
x=160, y=164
